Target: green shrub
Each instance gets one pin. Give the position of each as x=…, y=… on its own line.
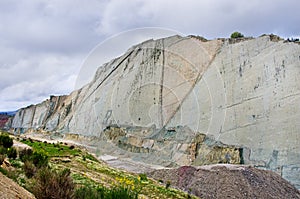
x=52, y=184
x=89, y=192
x=29, y=169
x=16, y=163
x=3, y=171
x=122, y=192
x=39, y=159
x=12, y=174
x=90, y=157
x=143, y=177
x=25, y=154
x=102, y=192
x=83, y=158
x=12, y=153
x=168, y=184
x=6, y=141
x=236, y=35
x=3, y=151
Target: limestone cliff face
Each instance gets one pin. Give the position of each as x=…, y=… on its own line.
x=161, y=95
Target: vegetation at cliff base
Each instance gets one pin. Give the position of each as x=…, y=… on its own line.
x=61, y=170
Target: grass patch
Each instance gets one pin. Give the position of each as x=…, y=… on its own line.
x=53, y=150
x=3, y=171
x=83, y=181
x=91, y=177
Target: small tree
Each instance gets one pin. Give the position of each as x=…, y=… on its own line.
x=236, y=35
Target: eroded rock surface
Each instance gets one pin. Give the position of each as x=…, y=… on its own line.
x=160, y=95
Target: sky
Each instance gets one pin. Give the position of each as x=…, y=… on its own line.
x=44, y=44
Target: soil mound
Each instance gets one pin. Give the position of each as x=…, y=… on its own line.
x=227, y=181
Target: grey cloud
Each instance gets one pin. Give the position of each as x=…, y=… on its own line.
x=211, y=18
x=35, y=90
x=43, y=43
x=57, y=26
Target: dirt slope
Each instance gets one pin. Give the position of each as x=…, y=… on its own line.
x=228, y=181
x=10, y=189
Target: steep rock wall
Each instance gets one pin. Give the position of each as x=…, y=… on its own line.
x=242, y=93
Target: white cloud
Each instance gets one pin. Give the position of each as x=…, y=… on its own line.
x=35, y=78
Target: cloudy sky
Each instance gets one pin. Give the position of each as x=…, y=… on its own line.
x=43, y=43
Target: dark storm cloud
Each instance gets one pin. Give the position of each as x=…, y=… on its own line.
x=43, y=43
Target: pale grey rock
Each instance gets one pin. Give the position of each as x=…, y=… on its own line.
x=162, y=93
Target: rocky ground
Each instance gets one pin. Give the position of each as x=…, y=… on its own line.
x=228, y=181
x=211, y=181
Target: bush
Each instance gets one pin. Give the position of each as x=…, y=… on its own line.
x=3, y=151
x=12, y=153
x=102, y=192
x=236, y=35
x=16, y=163
x=143, y=177
x=122, y=192
x=12, y=174
x=6, y=141
x=90, y=192
x=29, y=169
x=52, y=184
x=39, y=159
x=168, y=184
x=25, y=154
x=3, y=171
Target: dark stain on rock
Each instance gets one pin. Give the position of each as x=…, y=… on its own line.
x=241, y=71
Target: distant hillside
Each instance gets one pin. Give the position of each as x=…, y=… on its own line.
x=10, y=113
x=5, y=119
